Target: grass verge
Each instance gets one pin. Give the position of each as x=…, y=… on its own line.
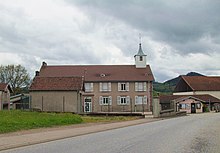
x=16, y=120
x=96, y=119
x=11, y=121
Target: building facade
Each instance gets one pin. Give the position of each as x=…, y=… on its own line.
x=106, y=88
x=195, y=94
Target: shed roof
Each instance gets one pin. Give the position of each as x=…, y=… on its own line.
x=57, y=84
x=3, y=87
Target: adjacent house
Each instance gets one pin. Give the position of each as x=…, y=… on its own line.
x=100, y=88
x=189, y=103
x=198, y=85
x=194, y=94
x=5, y=90
x=56, y=94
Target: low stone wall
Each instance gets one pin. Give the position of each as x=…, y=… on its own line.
x=158, y=112
x=167, y=113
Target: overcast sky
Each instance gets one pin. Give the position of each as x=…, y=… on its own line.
x=178, y=36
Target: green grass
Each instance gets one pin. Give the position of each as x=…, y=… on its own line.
x=16, y=120
x=95, y=119
x=20, y=120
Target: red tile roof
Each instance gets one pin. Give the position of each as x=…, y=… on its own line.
x=95, y=73
x=3, y=86
x=205, y=97
x=203, y=83
x=57, y=84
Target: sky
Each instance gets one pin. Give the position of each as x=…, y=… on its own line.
x=177, y=36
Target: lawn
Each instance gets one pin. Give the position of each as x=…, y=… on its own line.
x=16, y=120
x=20, y=120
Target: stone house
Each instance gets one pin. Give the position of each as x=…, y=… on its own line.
x=105, y=88
x=5, y=90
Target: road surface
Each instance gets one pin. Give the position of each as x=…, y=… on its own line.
x=199, y=133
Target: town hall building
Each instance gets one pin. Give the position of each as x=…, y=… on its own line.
x=94, y=88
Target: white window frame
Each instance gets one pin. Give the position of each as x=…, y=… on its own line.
x=125, y=88
x=140, y=86
x=102, y=100
x=120, y=100
x=142, y=98
x=102, y=84
x=88, y=87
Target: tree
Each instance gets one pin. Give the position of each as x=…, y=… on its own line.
x=16, y=75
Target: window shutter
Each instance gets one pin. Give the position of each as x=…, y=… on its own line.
x=110, y=100
x=119, y=86
x=100, y=100
x=145, y=86
x=109, y=86
x=118, y=100
x=91, y=86
x=128, y=100
x=100, y=86
x=145, y=99
x=136, y=99
x=127, y=86
x=136, y=86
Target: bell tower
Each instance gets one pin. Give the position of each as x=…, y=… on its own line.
x=140, y=58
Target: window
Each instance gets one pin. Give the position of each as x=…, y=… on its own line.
x=123, y=100
x=198, y=106
x=105, y=100
x=122, y=86
x=182, y=106
x=88, y=99
x=140, y=86
x=141, y=58
x=140, y=100
x=88, y=87
x=105, y=86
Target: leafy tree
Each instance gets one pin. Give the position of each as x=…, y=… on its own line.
x=16, y=75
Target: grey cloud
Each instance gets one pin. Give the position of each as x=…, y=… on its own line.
x=177, y=23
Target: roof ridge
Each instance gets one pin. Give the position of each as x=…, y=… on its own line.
x=187, y=81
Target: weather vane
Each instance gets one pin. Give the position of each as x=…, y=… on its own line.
x=140, y=37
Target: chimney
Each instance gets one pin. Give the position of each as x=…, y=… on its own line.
x=37, y=73
x=44, y=64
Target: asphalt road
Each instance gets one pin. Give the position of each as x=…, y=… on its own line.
x=199, y=133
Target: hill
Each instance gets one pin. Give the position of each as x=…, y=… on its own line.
x=167, y=87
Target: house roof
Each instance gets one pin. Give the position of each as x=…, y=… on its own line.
x=56, y=84
x=200, y=83
x=95, y=73
x=204, y=98
x=3, y=87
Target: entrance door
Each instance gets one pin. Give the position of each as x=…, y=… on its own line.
x=87, y=104
x=193, y=108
